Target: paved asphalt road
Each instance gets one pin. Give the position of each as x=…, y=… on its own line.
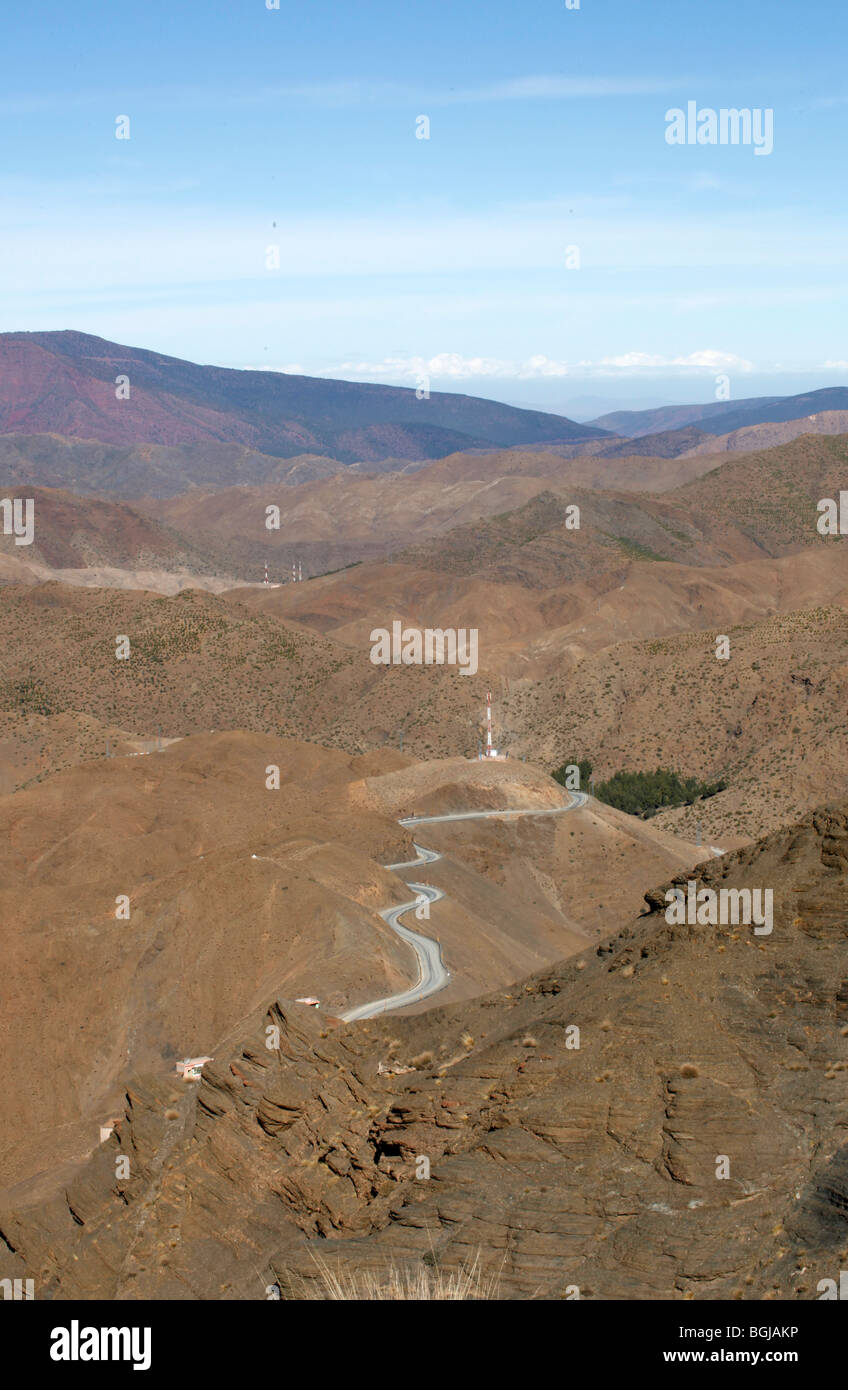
x=432, y=975
x=432, y=972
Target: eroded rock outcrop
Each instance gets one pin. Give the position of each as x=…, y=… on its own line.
x=663, y=1116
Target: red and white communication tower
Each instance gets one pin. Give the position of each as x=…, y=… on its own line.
x=266, y=571
x=490, y=751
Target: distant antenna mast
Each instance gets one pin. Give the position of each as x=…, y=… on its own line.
x=490, y=752
x=294, y=573
x=266, y=571
x=299, y=572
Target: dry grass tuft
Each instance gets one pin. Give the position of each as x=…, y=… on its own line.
x=419, y=1283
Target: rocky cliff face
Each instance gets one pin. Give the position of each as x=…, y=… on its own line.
x=691, y=1146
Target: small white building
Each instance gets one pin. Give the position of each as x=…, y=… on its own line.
x=191, y=1068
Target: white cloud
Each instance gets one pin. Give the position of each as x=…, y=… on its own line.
x=454, y=367
x=706, y=359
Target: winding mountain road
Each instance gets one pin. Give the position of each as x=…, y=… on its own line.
x=432, y=972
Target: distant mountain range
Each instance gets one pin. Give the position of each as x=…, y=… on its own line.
x=722, y=417
x=184, y=426
x=65, y=383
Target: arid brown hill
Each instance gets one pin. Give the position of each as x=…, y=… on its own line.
x=195, y=664
x=86, y=466
x=462, y=514
x=469, y=510
x=662, y=1116
x=149, y=904
x=628, y=677
x=71, y=532
x=770, y=719
x=693, y=441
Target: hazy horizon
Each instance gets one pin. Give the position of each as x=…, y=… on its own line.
x=494, y=206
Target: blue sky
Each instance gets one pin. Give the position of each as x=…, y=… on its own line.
x=403, y=258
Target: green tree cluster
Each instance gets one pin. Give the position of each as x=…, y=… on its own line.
x=645, y=793
x=584, y=766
